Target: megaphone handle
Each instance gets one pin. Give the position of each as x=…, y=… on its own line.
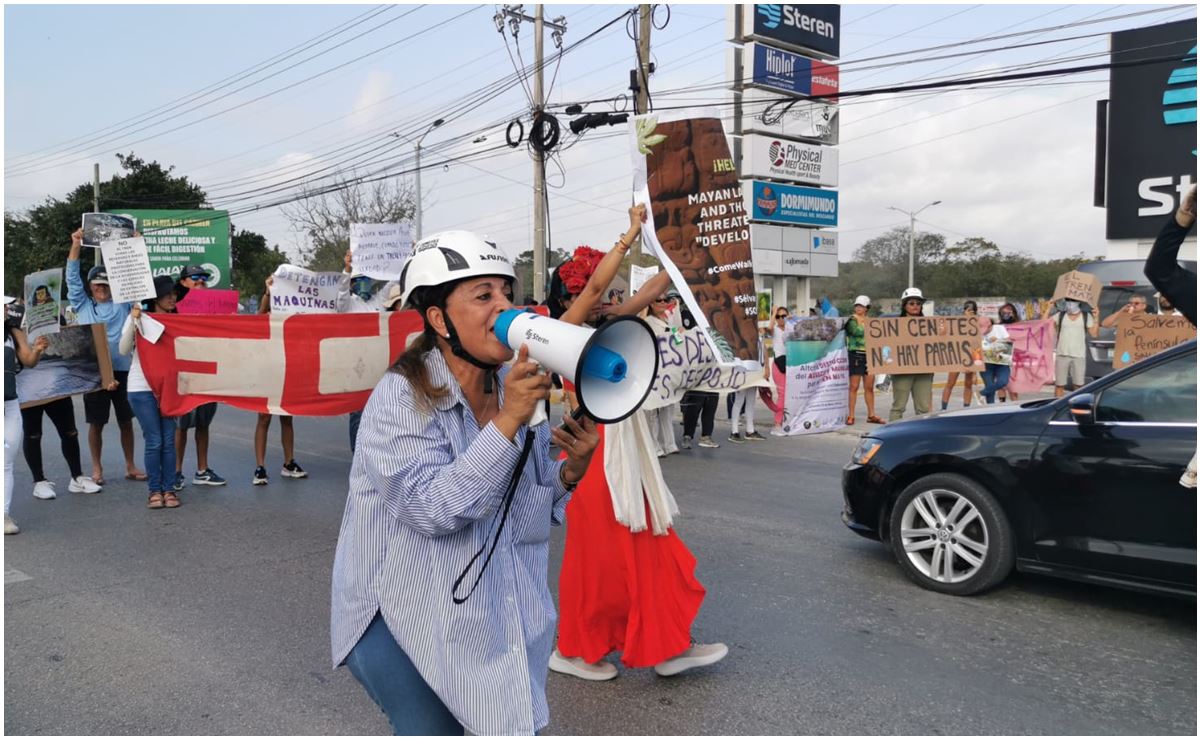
x=576, y=415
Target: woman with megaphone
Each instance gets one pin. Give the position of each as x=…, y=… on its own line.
x=644, y=604
x=439, y=487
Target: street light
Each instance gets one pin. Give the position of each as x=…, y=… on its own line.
x=912, y=220
x=417, y=218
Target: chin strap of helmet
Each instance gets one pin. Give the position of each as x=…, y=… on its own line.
x=456, y=347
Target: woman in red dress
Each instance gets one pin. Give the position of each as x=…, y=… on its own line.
x=619, y=590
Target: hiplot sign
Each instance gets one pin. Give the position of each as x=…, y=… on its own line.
x=790, y=204
x=792, y=161
x=775, y=69
x=805, y=28
x=780, y=115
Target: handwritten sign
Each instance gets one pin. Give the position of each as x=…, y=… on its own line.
x=209, y=301
x=922, y=344
x=639, y=276
x=1140, y=336
x=1033, y=355
x=128, y=265
x=687, y=362
x=297, y=290
x=43, y=295
x=380, y=250
x=1078, y=286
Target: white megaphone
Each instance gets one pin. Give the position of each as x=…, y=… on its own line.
x=613, y=367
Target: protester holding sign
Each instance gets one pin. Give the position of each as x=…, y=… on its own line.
x=195, y=278
x=287, y=435
x=643, y=604
x=1072, y=324
x=997, y=350
x=779, y=367
x=1008, y=314
x=857, y=360
x=1136, y=306
x=441, y=476
x=919, y=386
x=97, y=307
x=17, y=354
x=158, y=431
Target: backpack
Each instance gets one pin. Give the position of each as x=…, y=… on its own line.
x=1059, y=325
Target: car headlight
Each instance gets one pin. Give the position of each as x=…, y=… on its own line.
x=866, y=450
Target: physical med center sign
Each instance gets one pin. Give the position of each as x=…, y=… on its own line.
x=922, y=344
x=684, y=174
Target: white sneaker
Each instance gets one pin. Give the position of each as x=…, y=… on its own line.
x=10, y=527
x=602, y=671
x=83, y=484
x=694, y=657
x=778, y=432
x=44, y=490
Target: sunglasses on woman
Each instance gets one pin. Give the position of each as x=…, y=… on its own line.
x=781, y=316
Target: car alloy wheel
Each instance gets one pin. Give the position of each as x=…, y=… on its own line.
x=950, y=535
x=943, y=536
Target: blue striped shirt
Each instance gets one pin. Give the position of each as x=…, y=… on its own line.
x=425, y=493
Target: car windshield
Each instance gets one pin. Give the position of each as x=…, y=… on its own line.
x=1113, y=297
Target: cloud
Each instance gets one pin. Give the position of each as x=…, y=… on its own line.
x=366, y=110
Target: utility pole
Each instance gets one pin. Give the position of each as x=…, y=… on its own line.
x=643, y=95
x=912, y=230
x=558, y=26
x=96, y=203
x=417, y=146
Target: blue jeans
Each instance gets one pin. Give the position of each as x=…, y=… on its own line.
x=996, y=377
x=158, y=434
x=393, y=683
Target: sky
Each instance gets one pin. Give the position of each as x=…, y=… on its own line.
x=1013, y=165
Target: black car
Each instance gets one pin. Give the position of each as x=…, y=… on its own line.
x=1084, y=487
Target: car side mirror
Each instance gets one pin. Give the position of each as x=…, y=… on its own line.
x=1082, y=408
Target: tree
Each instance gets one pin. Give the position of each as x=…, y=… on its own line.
x=253, y=261
x=524, y=267
x=325, y=214
x=41, y=238
x=891, y=249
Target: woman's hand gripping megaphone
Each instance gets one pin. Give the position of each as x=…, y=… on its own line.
x=526, y=390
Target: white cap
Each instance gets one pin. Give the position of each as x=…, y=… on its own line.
x=912, y=293
x=8, y=299
x=450, y=256
x=863, y=301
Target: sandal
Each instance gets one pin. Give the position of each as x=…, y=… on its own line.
x=873, y=419
x=850, y=421
x=130, y=476
x=155, y=502
x=170, y=500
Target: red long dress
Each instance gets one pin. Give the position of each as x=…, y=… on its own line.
x=619, y=590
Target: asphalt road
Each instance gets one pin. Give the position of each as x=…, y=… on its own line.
x=214, y=618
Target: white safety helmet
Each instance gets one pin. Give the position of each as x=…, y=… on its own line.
x=450, y=256
x=912, y=293
x=863, y=301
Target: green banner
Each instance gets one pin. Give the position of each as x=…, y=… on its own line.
x=176, y=239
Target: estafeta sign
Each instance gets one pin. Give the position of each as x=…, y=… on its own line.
x=775, y=158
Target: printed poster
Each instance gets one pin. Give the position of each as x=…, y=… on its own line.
x=102, y=227
x=379, y=250
x=128, y=267
x=77, y=361
x=639, y=276
x=43, y=302
x=817, y=377
x=685, y=175
x=297, y=290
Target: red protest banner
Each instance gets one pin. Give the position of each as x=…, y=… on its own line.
x=209, y=301
x=298, y=364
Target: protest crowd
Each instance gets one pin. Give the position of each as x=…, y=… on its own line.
x=447, y=458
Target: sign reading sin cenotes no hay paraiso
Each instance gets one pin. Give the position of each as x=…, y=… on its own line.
x=685, y=175
x=922, y=344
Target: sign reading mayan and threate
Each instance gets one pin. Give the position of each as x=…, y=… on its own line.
x=176, y=239
x=1140, y=336
x=685, y=175
x=922, y=344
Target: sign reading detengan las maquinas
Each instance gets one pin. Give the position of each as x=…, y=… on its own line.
x=780, y=159
x=805, y=28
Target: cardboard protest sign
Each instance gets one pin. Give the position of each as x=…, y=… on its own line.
x=687, y=362
x=1033, y=363
x=639, y=276
x=102, y=227
x=128, y=266
x=1140, y=336
x=380, y=250
x=77, y=361
x=685, y=176
x=1078, y=286
x=922, y=344
x=304, y=365
x=297, y=290
x=43, y=298
x=208, y=301
x=817, y=376
x=178, y=238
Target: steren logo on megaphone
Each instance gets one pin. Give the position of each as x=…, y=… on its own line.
x=613, y=367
